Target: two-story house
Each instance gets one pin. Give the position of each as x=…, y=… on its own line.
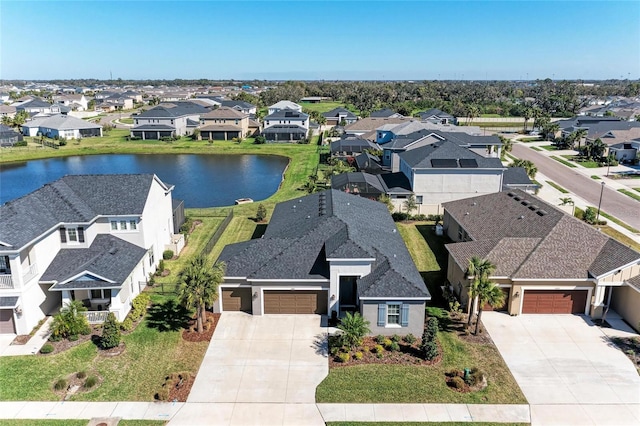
x=93, y=238
x=75, y=102
x=167, y=120
x=224, y=123
x=284, y=105
x=339, y=117
x=286, y=125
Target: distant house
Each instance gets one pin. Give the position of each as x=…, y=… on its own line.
x=168, y=120
x=8, y=136
x=286, y=125
x=7, y=111
x=61, y=126
x=35, y=105
x=626, y=151
x=437, y=116
x=385, y=113
x=4, y=97
x=339, y=117
x=278, y=106
x=224, y=123
x=323, y=253
x=349, y=147
x=244, y=107
x=611, y=130
x=75, y=102
x=91, y=238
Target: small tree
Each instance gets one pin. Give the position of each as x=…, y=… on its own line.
x=110, y=332
x=386, y=200
x=478, y=270
x=199, y=286
x=70, y=321
x=590, y=215
x=354, y=328
x=261, y=213
x=527, y=165
x=259, y=140
x=488, y=293
x=410, y=205
x=429, y=347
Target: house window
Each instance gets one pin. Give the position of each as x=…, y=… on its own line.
x=100, y=293
x=72, y=235
x=123, y=225
x=133, y=225
x=418, y=199
x=393, y=314
x=460, y=234
x=114, y=225
x=151, y=257
x=5, y=267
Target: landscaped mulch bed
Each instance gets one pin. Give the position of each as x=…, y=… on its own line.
x=631, y=348
x=459, y=324
x=21, y=339
x=407, y=355
x=64, y=344
x=191, y=335
x=73, y=380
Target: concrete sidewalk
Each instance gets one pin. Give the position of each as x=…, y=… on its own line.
x=32, y=346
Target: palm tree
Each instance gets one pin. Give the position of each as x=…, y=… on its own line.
x=578, y=135
x=507, y=146
x=527, y=165
x=551, y=129
x=7, y=121
x=354, y=328
x=198, y=286
x=477, y=271
x=488, y=292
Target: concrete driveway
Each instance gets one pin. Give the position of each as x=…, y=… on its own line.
x=263, y=359
x=568, y=370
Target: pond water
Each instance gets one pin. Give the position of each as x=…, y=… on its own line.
x=200, y=180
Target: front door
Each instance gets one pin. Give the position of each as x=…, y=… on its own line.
x=348, y=293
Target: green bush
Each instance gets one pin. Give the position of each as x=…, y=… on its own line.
x=380, y=339
x=475, y=377
x=387, y=343
x=358, y=356
x=81, y=374
x=126, y=325
x=110, y=332
x=60, y=384
x=167, y=254
x=429, y=350
x=90, y=382
x=186, y=226
x=73, y=338
x=139, y=306
x=379, y=349
x=160, y=267
x=344, y=357
x=431, y=330
x=395, y=347
x=353, y=328
x=261, y=213
x=46, y=349
x=457, y=382
x=20, y=143
x=259, y=140
x=70, y=321
x=395, y=338
x=410, y=339
x=162, y=394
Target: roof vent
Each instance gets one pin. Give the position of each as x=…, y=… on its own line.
x=511, y=194
x=475, y=204
x=533, y=207
x=521, y=217
x=525, y=202
x=517, y=198
x=466, y=214
x=113, y=250
x=541, y=213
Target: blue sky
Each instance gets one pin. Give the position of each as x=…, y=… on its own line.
x=320, y=40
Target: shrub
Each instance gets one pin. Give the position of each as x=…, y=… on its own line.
x=139, y=306
x=167, y=254
x=259, y=140
x=162, y=394
x=380, y=339
x=81, y=374
x=46, y=349
x=20, y=143
x=186, y=226
x=110, y=332
x=358, y=355
x=60, y=384
x=431, y=330
x=366, y=349
x=126, y=325
x=261, y=213
x=73, y=338
x=395, y=338
x=354, y=328
x=85, y=331
x=399, y=216
x=410, y=339
x=160, y=267
x=395, y=347
x=457, y=382
x=475, y=377
x=62, y=142
x=69, y=321
x=90, y=382
x=379, y=349
x=429, y=350
x=387, y=343
x=344, y=357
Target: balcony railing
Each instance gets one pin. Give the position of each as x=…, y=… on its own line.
x=6, y=281
x=96, y=317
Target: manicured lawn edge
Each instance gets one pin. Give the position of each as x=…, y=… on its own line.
x=556, y=186
x=619, y=222
x=535, y=148
x=630, y=194
x=565, y=162
x=595, y=177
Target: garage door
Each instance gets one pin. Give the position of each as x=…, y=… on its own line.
x=236, y=299
x=6, y=321
x=505, y=307
x=554, y=301
x=295, y=302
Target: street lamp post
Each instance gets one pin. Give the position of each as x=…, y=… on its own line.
x=600, y=202
x=608, y=165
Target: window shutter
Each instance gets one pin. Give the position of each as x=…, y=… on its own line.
x=382, y=313
x=81, y=234
x=63, y=235
x=404, y=315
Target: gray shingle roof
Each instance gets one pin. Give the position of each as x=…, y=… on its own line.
x=382, y=113
x=515, y=176
x=336, y=112
x=305, y=231
x=72, y=199
x=61, y=122
x=174, y=109
x=287, y=114
x=153, y=127
x=529, y=238
x=108, y=257
x=352, y=145
x=422, y=158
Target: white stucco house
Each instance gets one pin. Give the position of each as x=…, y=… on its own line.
x=284, y=105
x=94, y=238
x=61, y=126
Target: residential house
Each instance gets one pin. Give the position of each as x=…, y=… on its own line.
x=611, y=130
x=323, y=253
x=437, y=116
x=373, y=185
x=75, y=102
x=8, y=136
x=94, y=238
x=547, y=261
x=517, y=178
x=224, y=123
x=286, y=125
x=351, y=146
x=7, y=111
x=366, y=127
x=278, y=106
x=339, y=117
x=61, y=126
x=4, y=97
x=244, y=107
x=385, y=113
x=626, y=152
x=35, y=105
x=168, y=120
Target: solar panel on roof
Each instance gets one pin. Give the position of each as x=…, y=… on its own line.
x=443, y=163
x=468, y=163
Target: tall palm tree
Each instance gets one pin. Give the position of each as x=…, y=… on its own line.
x=488, y=292
x=527, y=165
x=198, y=287
x=477, y=271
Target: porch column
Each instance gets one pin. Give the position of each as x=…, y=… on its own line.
x=597, y=307
x=66, y=297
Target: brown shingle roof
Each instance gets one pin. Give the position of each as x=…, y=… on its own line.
x=371, y=123
x=507, y=254
x=634, y=282
x=224, y=112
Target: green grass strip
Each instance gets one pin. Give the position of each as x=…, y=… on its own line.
x=595, y=177
x=556, y=186
x=619, y=222
x=535, y=148
x=630, y=194
x=549, y=147
x=565, y=162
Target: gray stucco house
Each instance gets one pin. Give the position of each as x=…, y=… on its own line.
x=323, y=253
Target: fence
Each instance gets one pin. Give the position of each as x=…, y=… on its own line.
x=50, y=144
x=216, y=235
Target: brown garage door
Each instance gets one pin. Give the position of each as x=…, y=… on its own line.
x=505, y=307
x=236, y=299
x=6, y=321
x=295, y=302
x=554, y=301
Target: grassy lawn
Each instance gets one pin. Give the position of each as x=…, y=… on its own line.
x=535, y=148
x=422, y=384
x=422, y=424
x=556, y=186
x=531, y=139
x=126, y=120
x=565, y=162
x=327, y=106
x=630, y=194
x=619, y=222
x=589, y=164
x=549, y=147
